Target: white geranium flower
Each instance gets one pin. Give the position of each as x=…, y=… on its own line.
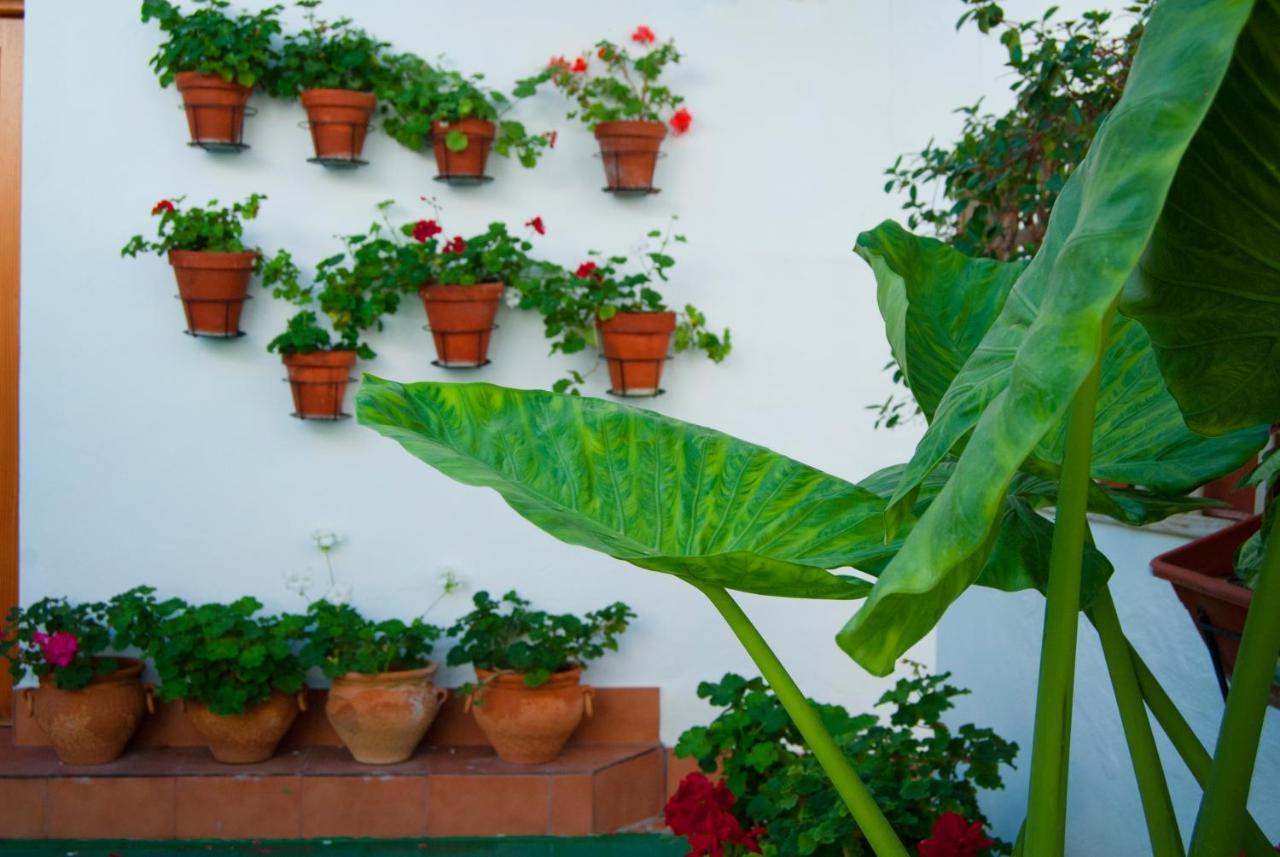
x=297, y=581
x=512, y=298
x=324, y=539
x=339, y=595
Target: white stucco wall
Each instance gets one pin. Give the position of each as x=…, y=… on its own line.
x=150, y=457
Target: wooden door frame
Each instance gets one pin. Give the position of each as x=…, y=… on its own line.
x=11, y=44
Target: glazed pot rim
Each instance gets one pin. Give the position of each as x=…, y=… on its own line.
x=276, y=697
x=212, y=256
x=488, y=128
x=196, y=79
x=321, y=93
x=127, y=669
x=441, y=289
x=656, y=323
x=391, y=675
x=631, y=128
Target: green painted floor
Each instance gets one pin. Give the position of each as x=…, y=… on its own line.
x=621, y=845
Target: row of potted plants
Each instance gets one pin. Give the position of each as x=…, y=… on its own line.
x=607, y=300
x=240, y=674
x=217, y=57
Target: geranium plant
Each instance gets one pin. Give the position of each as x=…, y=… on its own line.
x=73, y=641
x=505, y=635
x=328, y=55
x=918, y=768
x=341, y=641
x=573, y=302
x=213, y=228
x=236, y=47
x=228, y=656
x=418, y=95
x=701, y=811
x=431, y=258
x=618, y=82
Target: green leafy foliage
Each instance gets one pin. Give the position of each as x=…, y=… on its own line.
x=236, y=47
x=417, y=95
x=614, y=84
x=327, y=55
x=990, y=192
x=571, y=303
x=1054, y=323
x=915, y=766
x=83, y=635
x=341, y=641
x=214, y=228
x=228, y=656
x=505, y=635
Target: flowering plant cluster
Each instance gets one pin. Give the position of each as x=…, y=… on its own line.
x=494, y=255
x=70, y=641
x=573, y=302
x=213, y=229
x=917, y=769
x=505, y=635
x=237, y=47
x=328, y=55
x=612, y=83
x=701, y=812
x=418, y=94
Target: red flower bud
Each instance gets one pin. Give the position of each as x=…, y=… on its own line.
x=681, y=120
x=586, y=269
x=643, y=35
x=536, y=225
x=162, y=205
x=579, y=66
x=456, y=245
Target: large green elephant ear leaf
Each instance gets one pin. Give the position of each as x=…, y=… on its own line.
x=658, y=493
x=1208, y=287
x=1052, y=323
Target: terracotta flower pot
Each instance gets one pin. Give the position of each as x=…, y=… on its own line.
x=215, y=107
x=339, y=120
x=461, y=321
x=213, y=287
x=318, y=381
x=468, y=163
x=1200, y=572
x=529, y=725
x=91, y=726
x=242, y=739
x=635, y=346
x=630, y=153
x=381, y=717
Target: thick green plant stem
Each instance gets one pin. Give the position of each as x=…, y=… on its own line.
x=870, y=820
x=1157, y=806
x=1050, y=749
x=1187, y=744
x=1222, y=809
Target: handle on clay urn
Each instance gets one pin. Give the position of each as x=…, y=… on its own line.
x=302, y=699
x=150, y=695
x=588, y=694
x=30, y=696
x=442, y=693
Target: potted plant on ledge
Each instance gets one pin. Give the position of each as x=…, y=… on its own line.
x=212, y=265
x=460, y=282
x=216, y=60
x=460, y=118
x=528, y=665
x=381, y=702
x=621, y=100
x=602, y=302
x=89, y=702
x=237, y=673
x=335, y=69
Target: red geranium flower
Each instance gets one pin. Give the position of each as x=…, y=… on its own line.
x=456, y=245
x=681, y=120
x=59, y=649
x=424, y=229
x=954, y=836
x=579, y=66
x=643, y=35
x=536, y=225
x=162, y=205
x=551, y=138
x=586, y=269
x=700, y=811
